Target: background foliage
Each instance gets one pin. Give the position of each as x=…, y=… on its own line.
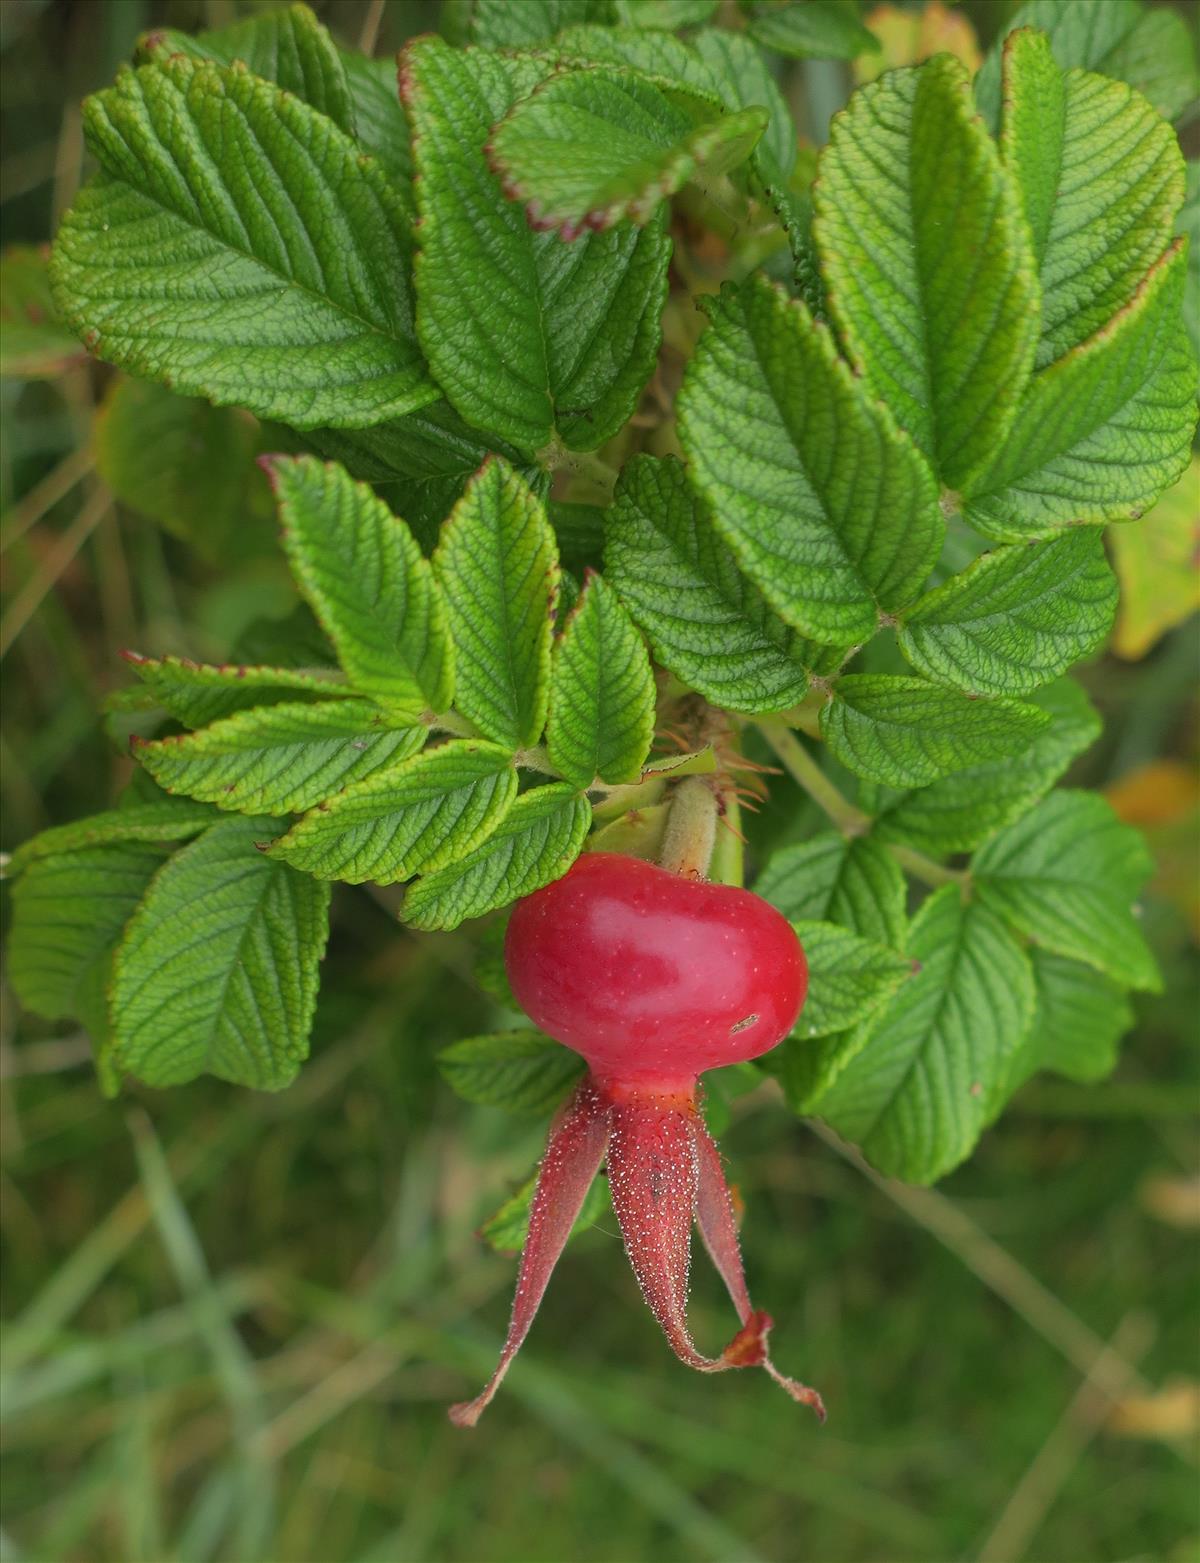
x=236, y=1320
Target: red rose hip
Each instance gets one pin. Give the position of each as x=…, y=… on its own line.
x=654, y=978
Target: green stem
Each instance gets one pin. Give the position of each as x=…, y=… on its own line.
x=691, y=832
x=805, y=771
x=925, y=869
x=851, y=821
x=535, y=759
x=728, y=866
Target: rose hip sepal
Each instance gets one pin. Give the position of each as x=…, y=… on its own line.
x=652, y=978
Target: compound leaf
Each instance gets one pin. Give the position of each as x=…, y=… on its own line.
x=1106, y=428
x=958, y=813
x=705, y=620
x=826, y=504
x=852, y=881
x=217, y=969
x=537, y=842
x=528, y=337
x=197, y=693
x=1150, y=48
x=592, y=146
x=497, y=566
x=916, y=1096
x=288, y=46
x=927, y=258
x=849, y=978
x=415, y=815
x=905, y=732
x=498, y=24
x=369, y=585
x=1080, y=1018
x=237, y=245
x=812, y=30
x=1015, y=618
x=1097, y=224
x=521, y=1071
x=1067, y=875
x=69, y=907
x=602, y=693
x=279, y=758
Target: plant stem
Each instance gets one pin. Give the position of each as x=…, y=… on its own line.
x=924, y=868
x=691, y=830
x=805, y=771
x=851, y=821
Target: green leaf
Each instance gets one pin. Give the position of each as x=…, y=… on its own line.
x=831, y=878
x=931, y=279
x=528, y=337
x=905, y=732
x=744, y=79
x=590, y=147
x=915, y=1098
x=416, y=815
x=812, y=30
x=34, y=344
x=1104, y=430
x=164, y=820
x=369, y=585
x=683, y=585
x=1080, y=1018
x=288, y=46
x=828, y=507
x=197, y=693
x=602, y=693
x=217, y=970
x=664, y=13
x=281, y=286
x=521, y=1071
x=1015, y=618
x=1149, y=48
x=1189, y=224
x=497, y=566
x=279, y=758
x=807, y=1066
x=69, y=907
x=1097, y=224
x=1067, y=875
x=507, y=1228
x=187, y=465
x=498, y=24
x=380, y=121
x=537, y=842
x=419, y=464
x=653, y=53
x=959, y=812
x=849, y=977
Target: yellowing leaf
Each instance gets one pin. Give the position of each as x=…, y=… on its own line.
x=1156, y=561
x=910, y=37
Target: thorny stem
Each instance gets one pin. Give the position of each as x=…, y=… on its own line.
x=851, y=821
x=691, y=832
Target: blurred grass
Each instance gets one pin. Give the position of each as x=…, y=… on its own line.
x=234, y=1322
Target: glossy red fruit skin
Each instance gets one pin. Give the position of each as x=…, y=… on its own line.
x=651, y=976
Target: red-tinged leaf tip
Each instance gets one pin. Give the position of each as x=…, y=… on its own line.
x=135, y=658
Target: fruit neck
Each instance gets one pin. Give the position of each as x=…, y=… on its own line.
x=678, y=1092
